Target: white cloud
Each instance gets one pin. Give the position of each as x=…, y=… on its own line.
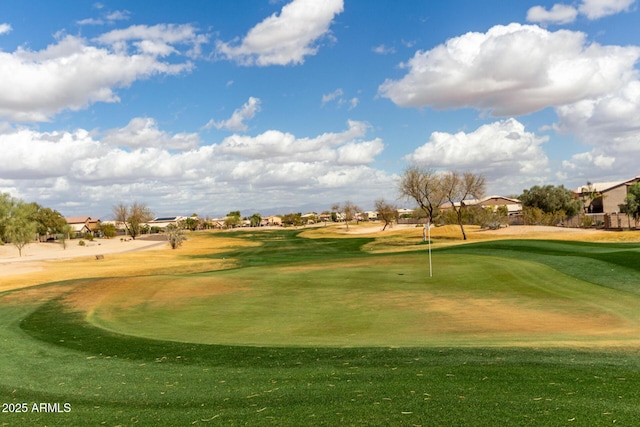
x=501, y=150
x=360, y=153
x=118, y=15
x=512, y=70
x=284, y=146
x=157, y=40
x=30, y=155
x=5, y=28
x=237, y=120
x=611, y=125
x=589, y=160
x=144, y=132
x=591, y=9
x=610, y=120
x=109, y=18
x=286, y=38
x=558, y=14
x=78, y=172
x=595, y=9
x=72, y=73
x=336, y=94
x=383, y=50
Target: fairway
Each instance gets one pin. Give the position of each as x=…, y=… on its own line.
x=280, y=327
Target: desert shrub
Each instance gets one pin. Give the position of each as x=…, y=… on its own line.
x=586, y=221
x=175, y=236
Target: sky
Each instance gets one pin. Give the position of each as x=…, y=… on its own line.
x=280, y=106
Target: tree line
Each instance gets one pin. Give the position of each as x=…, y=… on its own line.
x=21, y=222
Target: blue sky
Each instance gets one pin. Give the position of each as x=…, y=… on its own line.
x=286, y=106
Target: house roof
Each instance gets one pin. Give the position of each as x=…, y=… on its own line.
x=605, y=186
x=77, y=219
x=473, y=202
x=601, y=186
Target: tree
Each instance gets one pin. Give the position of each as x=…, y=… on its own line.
x=48, y=221
x=232, y=220
x=348, y=211
x=175, y=236
x=255, y=220
x=387, y=212
x=558, y=201
x=292, y=219
x=191, y=223
x=108, y=230
x=19, y=227
x=631, y=206
x=459, y=187
x=423, y=186
x=6, y=206
x=133, y=217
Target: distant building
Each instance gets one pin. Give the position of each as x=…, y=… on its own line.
x=164, y=222
x=605, y=206
x=83, y=224
x=611, y=195
x=514, y=207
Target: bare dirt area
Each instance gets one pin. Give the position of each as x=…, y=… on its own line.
x=11, y=263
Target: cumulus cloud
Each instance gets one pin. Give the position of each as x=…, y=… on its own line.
x=501, y=150
x=73, y=73
x=383, y=49
x=596, y=9
x=82, y=169
x=611, y=120
x=485, y=71
x=610, y=125
x=558, y=14
x=591, y=9
x=157, y=41
x=286, y=38
x=237, y=120
x=589, y=160
x=285, y=146
x=108, y=18
x=5, y=28
x=336, y=94
x=144, y=132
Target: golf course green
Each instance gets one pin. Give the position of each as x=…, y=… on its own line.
x=324, y=331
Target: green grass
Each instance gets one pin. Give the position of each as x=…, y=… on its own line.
x=49, y=353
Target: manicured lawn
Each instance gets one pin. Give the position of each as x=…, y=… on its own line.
x=318, y=332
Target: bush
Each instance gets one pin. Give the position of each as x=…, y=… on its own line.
x=586, y=221
x=175, y=236
x=81, y=243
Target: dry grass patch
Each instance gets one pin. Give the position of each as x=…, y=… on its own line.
x=161, y=260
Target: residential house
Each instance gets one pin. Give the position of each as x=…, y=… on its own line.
x=163, y=222
x=371, y=215
x=514, y=207
x=606, y=204
x=273, y=220
x=83, y=224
